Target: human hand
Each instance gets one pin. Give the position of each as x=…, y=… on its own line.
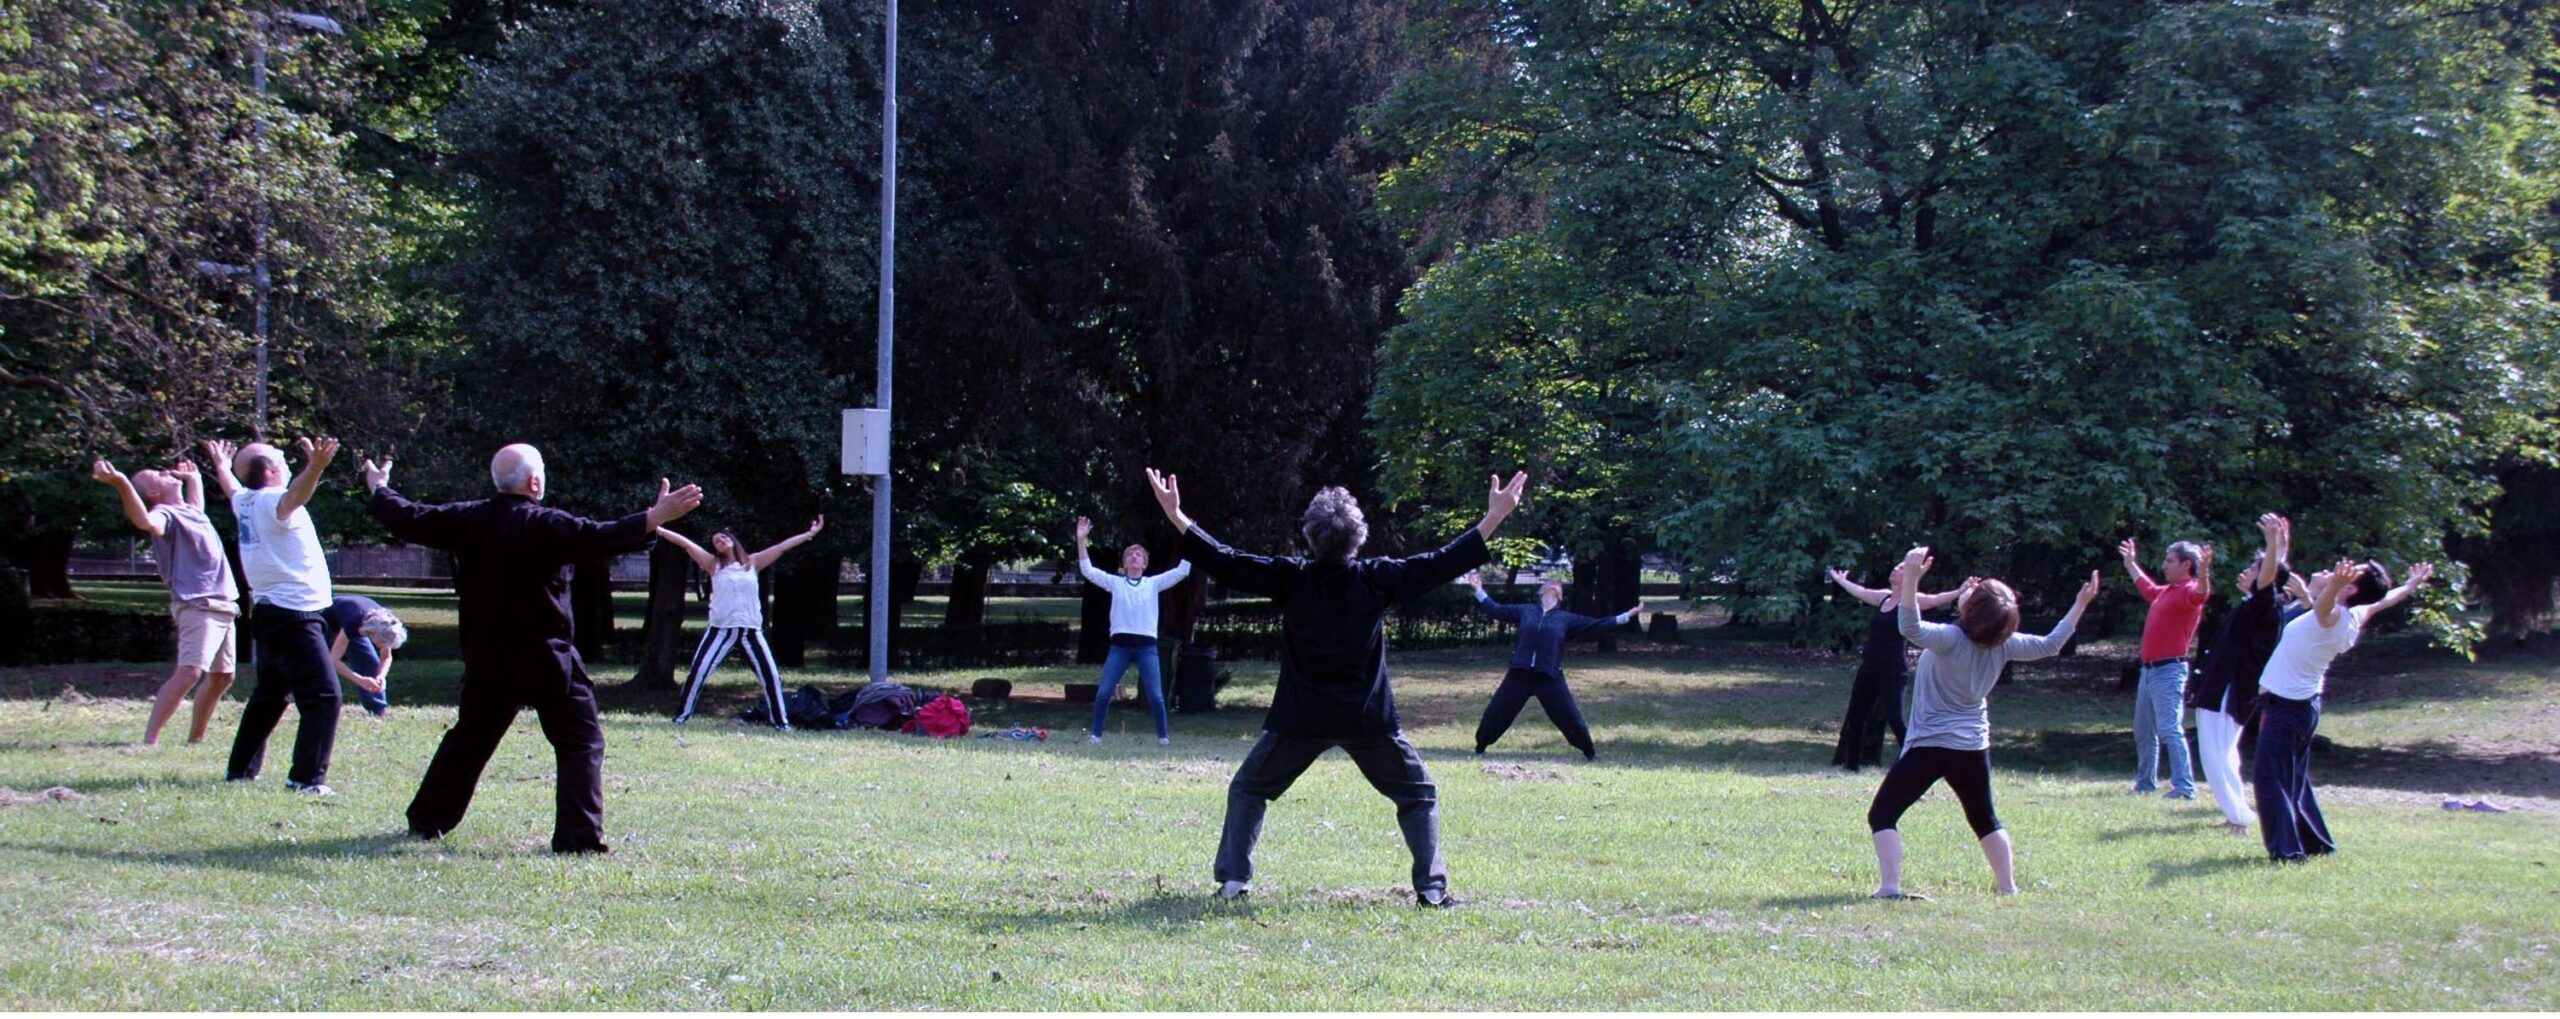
x=2088, y=591
x=377, y=475
x=1837, y=575
x=674, y=503
x=816, y=524
x=1504, y=498
x=221, y=452
x=107, y=473
x=317, y=452
x=2204, y=559
x=2132, y=553
x=369, y=684
x=1167, y=489
x=1916, y=562
x=184, y=469
x=2418, y=574
x=1084, y=528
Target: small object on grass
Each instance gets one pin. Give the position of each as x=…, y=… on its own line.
x=1900, y=897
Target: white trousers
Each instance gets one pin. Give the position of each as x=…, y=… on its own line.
x=2218, y=742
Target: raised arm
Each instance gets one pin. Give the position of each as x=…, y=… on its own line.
x=2326, y=605
x=579, y=539
x=2023, y=648
x=765, y=558
x=1168, y=493
x=701, y=559
x=1869, y=595
x=1485, y=602
x=190, y=482
x=2417, y=575
x=316, y=455
x=131, y=500
x=2204, y=570
x=2143, y=585
x=1906, y=605
x=1084, y=561
x=1181, y=570
x=220, y=453
x=1499, y=503
x=1244, y=571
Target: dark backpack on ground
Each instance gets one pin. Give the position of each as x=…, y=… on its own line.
x=882, y=705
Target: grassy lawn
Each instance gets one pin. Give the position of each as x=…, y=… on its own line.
x=1708, y=860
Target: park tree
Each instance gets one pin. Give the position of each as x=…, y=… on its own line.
x=2013, y=280
x=1176, y=210
x=134, y=152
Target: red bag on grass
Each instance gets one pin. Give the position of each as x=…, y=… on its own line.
x=945, y=717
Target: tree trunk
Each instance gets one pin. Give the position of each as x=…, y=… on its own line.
x=591, y=607
x=1615, y=581
x=968, y=602
x=804, y=608
x=662, y=631
x=46, y=557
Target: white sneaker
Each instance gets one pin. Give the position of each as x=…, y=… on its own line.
x=314, y=789
x=1093, y=739
x=1163, y=741
x=1234, y=890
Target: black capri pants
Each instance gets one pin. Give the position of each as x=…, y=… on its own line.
x=1968, y=772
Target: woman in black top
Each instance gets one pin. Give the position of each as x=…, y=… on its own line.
x=1875, y=698
x=2227, y=679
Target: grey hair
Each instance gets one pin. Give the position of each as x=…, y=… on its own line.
x=383, y=629
x=1333, y=527
x=516, y=475
x=2187, y=552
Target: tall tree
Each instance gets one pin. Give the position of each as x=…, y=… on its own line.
x=2015, y=279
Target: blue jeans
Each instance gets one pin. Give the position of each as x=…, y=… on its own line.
x=1150, y=683
x=2159, y=711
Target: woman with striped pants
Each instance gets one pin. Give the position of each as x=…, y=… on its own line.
x=737, y=615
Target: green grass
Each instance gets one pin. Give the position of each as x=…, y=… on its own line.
x=1709, y=860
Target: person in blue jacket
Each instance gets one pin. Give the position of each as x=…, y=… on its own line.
x=1537, y=664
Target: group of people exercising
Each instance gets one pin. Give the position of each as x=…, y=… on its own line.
x=512, y=557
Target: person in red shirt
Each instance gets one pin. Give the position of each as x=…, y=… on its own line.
x=2159, y=705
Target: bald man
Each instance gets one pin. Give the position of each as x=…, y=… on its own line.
x=288, y=590
x=204, y=600
x=511, y=558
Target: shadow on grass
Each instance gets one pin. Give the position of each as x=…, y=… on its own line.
x=1159, y=909
x=1831, y=900
x=284, y=857
x=2164, y=872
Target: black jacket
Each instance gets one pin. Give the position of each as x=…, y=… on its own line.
x=1333, y=641
x=511, y=559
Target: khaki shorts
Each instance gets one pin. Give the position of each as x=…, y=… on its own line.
x=208, y=635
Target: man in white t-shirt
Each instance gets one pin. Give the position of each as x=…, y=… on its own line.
x=288, y=579
x=2342, y=599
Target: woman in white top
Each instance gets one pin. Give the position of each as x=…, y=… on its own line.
x=737, y=614
x=1133, y=628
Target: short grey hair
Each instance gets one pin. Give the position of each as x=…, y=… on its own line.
x=515, y=474
x=383, y=629
x=2187, y=552
x=1333, y=526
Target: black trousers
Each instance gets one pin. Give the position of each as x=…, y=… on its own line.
x=1518, y=685
x=1968, y=773
x=1390, y=764
x=2289, y=818
x=293, y=661
x=1875, y=703
x=554, y=684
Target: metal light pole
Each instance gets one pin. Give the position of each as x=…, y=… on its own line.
x=259, y=278
x=888, y=335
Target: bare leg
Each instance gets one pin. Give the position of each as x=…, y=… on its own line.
x=165, y=703
x=207, y=699
x=1889, y=863
x=1995, y=848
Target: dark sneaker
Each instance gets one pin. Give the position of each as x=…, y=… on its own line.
x=1438, y=900
x=310, y=788
x=2176, y=795
x=597, y=848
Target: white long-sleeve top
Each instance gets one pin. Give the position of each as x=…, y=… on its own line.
x=1133, y=601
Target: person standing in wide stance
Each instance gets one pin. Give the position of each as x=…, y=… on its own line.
x=1875, y=696
x=1333, y=689
x=204, y=600
x=2159, y=708
x=1133, y=628
x=1537, y=664
x=737, y=615
x=511, y=558
x=288, y=590
x=1951, y=713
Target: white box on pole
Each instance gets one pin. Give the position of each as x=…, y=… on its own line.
x=866, y=441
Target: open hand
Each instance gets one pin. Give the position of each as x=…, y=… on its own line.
x=674, y=502
x=2418, y=574
x=1837, y=575
x=376, y=475
x=1084, y=528
x=317, y=452
x=220, y=451
x=1168, y=491
x=107, y=473
x=2132, y=553
x=1504, y=498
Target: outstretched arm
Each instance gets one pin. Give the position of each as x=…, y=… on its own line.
x=191, y=483
x=1498, y=610
x=1869, y=595
x=1084, y=561
x=316, y=455
x=1943, y=599
x=2022, y=647
x=1168, y=492
x=765, y=558
x=2417, y=575
x=141, y=518
x=220, y=453
x=701, y=559
x=1499, y=503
